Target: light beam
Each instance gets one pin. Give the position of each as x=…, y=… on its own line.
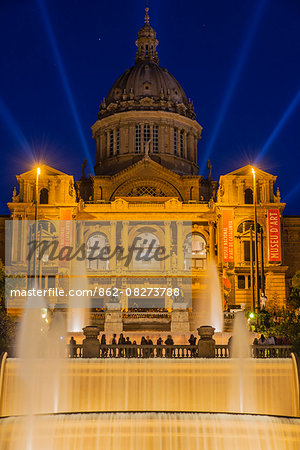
x=257, y=15
x=292, y=106
x=292, y=193
x=64, y=79
x=14, y=128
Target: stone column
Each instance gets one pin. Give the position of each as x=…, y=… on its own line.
x=124, y=244
x=180, y=253
x=113, y=318
x=15, y=233
x=167, y=244
x=211, y=241
x=180, y=318
x=113, y=243
x=22, y=192
x=166, y=139
x=189, y=147
x=123, y=140
x=195, y=149
x=131, y=139
x=52, y=186
x=161, y=140
x=241, y=186
x=184, y=144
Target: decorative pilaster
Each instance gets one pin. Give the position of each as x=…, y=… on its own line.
x=211, y=241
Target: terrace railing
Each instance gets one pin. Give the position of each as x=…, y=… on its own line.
x=271, y=351
x=178, y=351
x=170, y=351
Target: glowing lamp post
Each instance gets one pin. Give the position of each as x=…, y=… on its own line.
x=38, y=172
x=255, y=239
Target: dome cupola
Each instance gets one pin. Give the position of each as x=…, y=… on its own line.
x=146, y=85
x=146, y=42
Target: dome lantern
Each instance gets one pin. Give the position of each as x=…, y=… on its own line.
x=146, y=42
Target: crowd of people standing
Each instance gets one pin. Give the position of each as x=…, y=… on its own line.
x=124, y=347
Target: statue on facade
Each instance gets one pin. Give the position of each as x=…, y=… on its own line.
x=15, y=197
x=278, y=197
x=147, y=148
x=72, y=191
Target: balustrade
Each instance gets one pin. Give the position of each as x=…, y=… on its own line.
x=271, y=351
x=177, y=351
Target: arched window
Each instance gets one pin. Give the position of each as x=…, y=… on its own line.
x=145, y=244
x=175, y=141
x=138, y=139
x=97, y=252
x=44, y=196
x=146, y=134
x=248, y=196
x=155, y=139
x=111, y=143
x=182, y=143
x=195, y=252
x=118, y=141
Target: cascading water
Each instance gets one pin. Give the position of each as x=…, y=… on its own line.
x=164, y=384
x=79, y=305
x=175, y=390
x=40, y=352
x=149, y=431
x=207, y=304
x=215, y=298
x=242, y=379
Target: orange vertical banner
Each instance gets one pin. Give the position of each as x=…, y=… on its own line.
x=274, y=238
x=228, y=235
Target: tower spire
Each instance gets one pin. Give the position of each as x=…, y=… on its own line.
x=146, y=42
x=147, y=15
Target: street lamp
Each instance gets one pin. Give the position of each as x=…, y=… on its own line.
x=38, y=172
x=255, y=238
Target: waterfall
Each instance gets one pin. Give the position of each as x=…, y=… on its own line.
x=148, y=431
x=79, y=305
x=90, y=385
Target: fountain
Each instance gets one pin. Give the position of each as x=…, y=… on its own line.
x=243, y=379
x=49, y=402
x=207, y=304
x=79, y=307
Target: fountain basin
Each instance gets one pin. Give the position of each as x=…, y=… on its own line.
x=148, y=431
x=91, y=385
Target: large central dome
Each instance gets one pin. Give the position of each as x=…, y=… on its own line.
x=146, y=114
x=146, y=85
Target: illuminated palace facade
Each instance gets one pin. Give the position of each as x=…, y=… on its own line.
x=146, y=170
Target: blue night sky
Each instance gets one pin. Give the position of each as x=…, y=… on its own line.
x=239, y=61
